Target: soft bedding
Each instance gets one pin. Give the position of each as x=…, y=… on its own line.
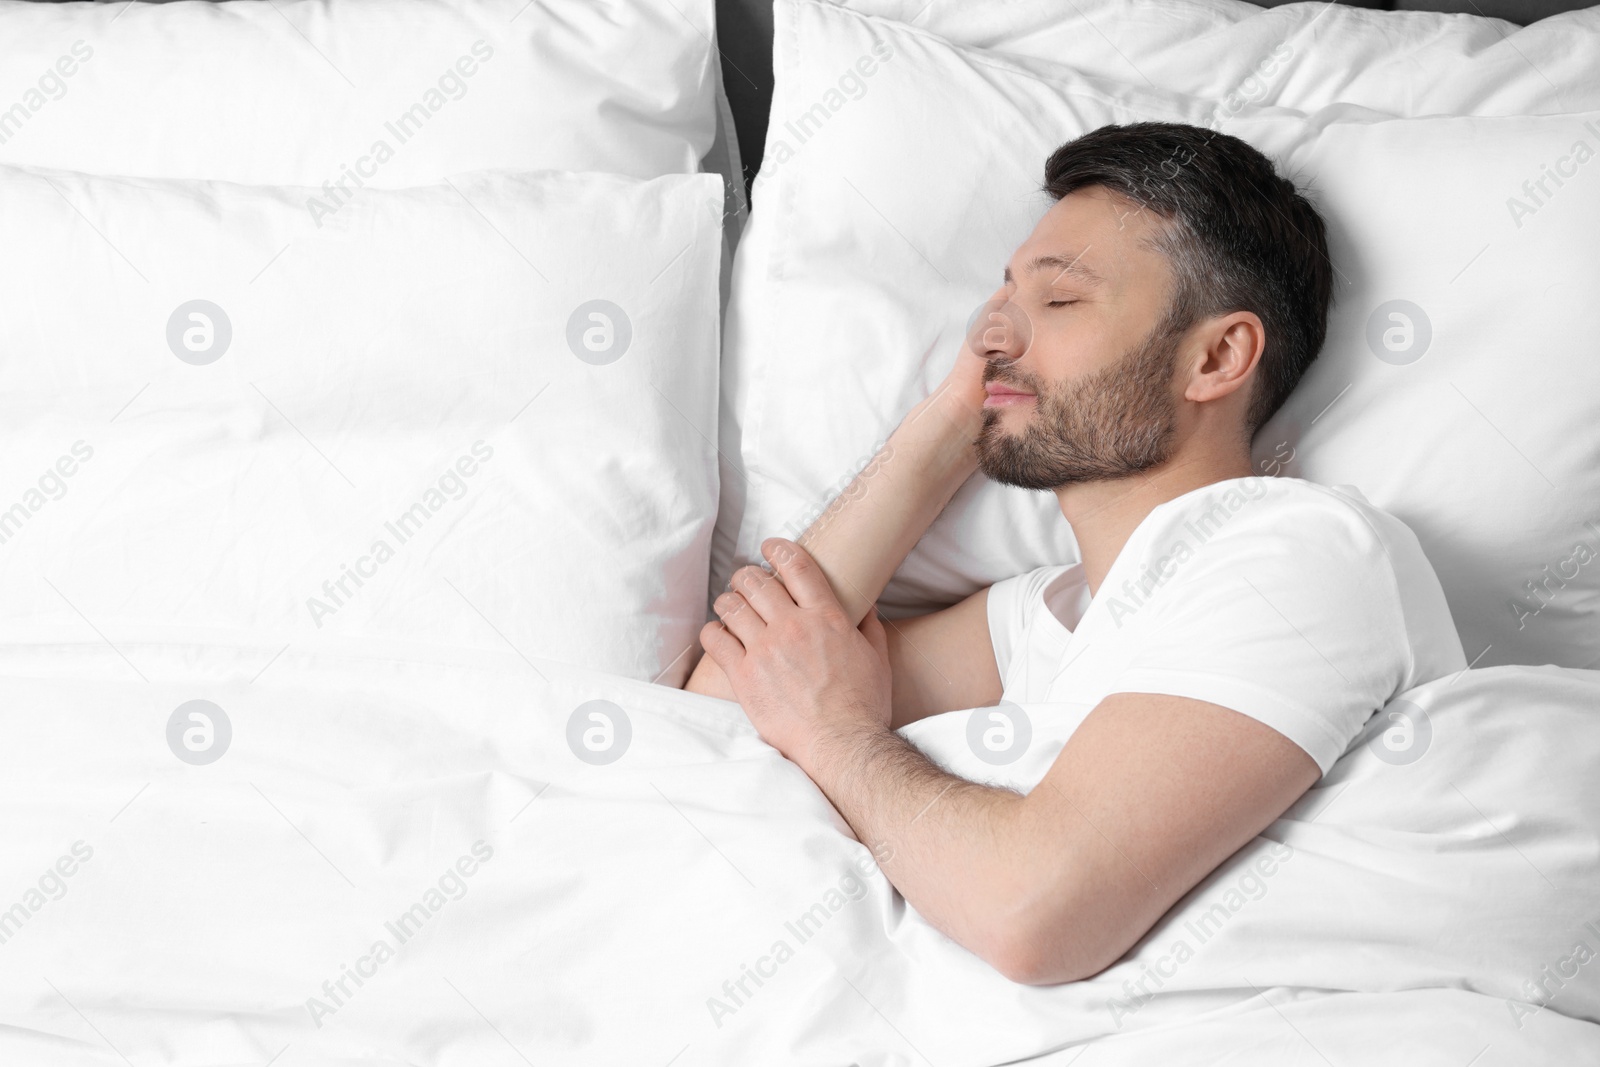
x=405, y=858
x=345, y=95
x=1302, y=56
x=357, y=93
x=275, y=796
x=475, y=413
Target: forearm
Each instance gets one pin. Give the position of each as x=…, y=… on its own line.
x=952, y=847
x=866, y=531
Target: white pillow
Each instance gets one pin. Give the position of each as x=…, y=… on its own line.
x=419, y=393
x=1302, y=56
x=304, y=92
x=877, y=235
x=1459, y=386
x=307, y=92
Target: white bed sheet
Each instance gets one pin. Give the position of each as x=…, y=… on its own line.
x=619, y=898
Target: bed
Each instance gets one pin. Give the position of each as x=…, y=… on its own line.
x=388, y=387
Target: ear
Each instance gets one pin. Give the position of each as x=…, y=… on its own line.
x=1232, y=347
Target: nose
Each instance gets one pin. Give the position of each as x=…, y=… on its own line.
x=1000, y=331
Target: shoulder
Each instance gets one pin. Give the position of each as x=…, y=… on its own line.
x=1319, y=556
x=1279, y=518
x=1308, y=550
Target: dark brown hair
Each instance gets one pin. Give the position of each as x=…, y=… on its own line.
x=1239, y=237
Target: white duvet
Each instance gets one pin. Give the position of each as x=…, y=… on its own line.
x=399, y=858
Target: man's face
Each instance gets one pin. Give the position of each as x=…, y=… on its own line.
x=1081, y=388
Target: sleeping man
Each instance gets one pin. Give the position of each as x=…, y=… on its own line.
x=1231, y=633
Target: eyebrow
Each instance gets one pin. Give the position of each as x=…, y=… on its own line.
x=1073, y=265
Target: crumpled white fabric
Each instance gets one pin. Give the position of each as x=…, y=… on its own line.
x=620, y=898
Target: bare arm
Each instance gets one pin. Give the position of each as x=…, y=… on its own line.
x=1148, y=796
x=941, y=661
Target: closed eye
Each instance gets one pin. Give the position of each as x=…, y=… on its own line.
x=1058, y=303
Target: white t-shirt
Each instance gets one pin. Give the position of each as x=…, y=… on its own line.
x=1301, y=606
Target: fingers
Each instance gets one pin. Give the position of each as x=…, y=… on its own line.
x=763, y=592
x=723, y=648
x=804, y=580
x=739, y=617
x=872, y=629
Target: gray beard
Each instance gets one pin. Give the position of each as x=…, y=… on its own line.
x=1118, y=421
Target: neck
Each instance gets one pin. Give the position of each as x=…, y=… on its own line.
x=1104, y=514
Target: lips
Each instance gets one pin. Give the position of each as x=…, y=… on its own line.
x=1001, y=396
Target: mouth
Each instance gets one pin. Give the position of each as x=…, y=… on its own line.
x=1003, y=396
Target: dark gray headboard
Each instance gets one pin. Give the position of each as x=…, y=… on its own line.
x=744, y=34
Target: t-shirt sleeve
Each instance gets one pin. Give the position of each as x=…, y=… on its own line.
x=1006, y=619
x=1010, y=604
x=1290, y=615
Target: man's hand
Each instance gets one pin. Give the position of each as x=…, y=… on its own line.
x=962, y=394
x=866, y=531
x=803, y=673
